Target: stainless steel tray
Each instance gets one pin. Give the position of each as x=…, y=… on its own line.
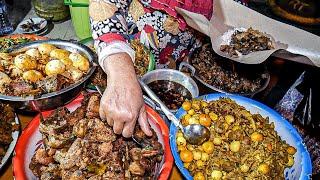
x=216, y=89
x=55, y=99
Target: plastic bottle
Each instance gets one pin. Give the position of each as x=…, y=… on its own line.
x=5, y=25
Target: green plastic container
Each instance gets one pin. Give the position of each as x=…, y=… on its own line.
x=80, y=17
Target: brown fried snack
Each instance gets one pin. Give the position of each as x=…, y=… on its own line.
x=247, y=42
x=79, y=145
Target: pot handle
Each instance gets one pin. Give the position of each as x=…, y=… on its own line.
x=187, y=65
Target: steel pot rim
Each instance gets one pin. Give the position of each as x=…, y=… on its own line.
x=92, y=57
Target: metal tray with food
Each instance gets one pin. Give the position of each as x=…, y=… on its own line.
x=9, y=133
x=43, y=75
x=222, y=75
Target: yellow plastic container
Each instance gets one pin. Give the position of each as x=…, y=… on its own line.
x=80, y=17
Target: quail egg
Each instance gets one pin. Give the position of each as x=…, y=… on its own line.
x=15, y=72
x=80, y=62
x=67, y=62
x=4, y=79
x=25, y=62
x=76, y=74
x=46, y=48
x=32, y=76
x=59, y=54
x=33, y=53
x=55, y=67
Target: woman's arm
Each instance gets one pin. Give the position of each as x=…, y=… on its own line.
x=122, y=103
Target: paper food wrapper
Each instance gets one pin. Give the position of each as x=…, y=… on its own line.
x=290, y=42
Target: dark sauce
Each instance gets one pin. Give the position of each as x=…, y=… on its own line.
x=171, y=93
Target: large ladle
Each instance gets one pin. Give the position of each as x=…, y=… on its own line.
x=194, y=133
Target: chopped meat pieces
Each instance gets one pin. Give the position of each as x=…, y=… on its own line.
x=90, y=148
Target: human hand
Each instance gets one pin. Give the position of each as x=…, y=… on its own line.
x=122, y=102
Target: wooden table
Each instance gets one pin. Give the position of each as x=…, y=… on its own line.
x=7, y=173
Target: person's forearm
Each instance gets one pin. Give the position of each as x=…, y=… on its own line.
x=119, y=66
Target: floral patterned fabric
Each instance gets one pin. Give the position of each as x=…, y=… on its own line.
x=164, y=34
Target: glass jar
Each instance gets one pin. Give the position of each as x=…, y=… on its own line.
x=53, y=10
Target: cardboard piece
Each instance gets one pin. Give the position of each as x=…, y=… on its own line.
x=290, y=42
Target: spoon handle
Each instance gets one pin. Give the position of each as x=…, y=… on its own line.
x=162, y=106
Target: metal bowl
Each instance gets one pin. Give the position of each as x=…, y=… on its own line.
x=216, y=89
x=55, y=99
x=174, y=76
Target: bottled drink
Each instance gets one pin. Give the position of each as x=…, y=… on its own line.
x=5, y=25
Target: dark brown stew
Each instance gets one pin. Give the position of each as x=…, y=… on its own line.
x=171, y=93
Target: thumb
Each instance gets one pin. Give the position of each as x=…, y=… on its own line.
x=143, y=121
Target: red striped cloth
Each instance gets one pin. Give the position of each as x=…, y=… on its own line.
x=204, y=7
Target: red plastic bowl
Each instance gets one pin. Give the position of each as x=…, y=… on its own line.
x=31, y=139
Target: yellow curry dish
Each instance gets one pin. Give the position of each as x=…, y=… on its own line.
x=241, y=145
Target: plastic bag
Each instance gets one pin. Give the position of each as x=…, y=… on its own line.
x=300, y=105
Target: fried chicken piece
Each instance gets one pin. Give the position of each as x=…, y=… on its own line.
x=114, y=167
x=77, y=175
x=93, y=107
x=54, y=122
x=60, y=155
x=135, y=154
x=35, y=167
x=136, y=169
x=99, y=132
x=76, y=115
x=71, y=159
x=79, y=113
x=72, y=174
x=41, y=157
x=5, y=135
x=50, y=172
x=80, y=129
x=105, y=149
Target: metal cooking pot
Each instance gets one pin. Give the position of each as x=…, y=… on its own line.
x=170, y=75
x=55, y=99
x=215, y=89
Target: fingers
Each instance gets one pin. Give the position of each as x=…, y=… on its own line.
x=118, y=126
x=129, y=128
x=102, y=112
x=143, y=121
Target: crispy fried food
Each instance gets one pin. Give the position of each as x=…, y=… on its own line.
x=94, y=151
x=7, y=126
x=246, y=42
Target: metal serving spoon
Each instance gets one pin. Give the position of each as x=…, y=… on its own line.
x=194, y=133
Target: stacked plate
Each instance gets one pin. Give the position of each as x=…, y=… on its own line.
x=33, y=26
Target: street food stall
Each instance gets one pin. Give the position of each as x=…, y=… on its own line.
x=242, y=105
